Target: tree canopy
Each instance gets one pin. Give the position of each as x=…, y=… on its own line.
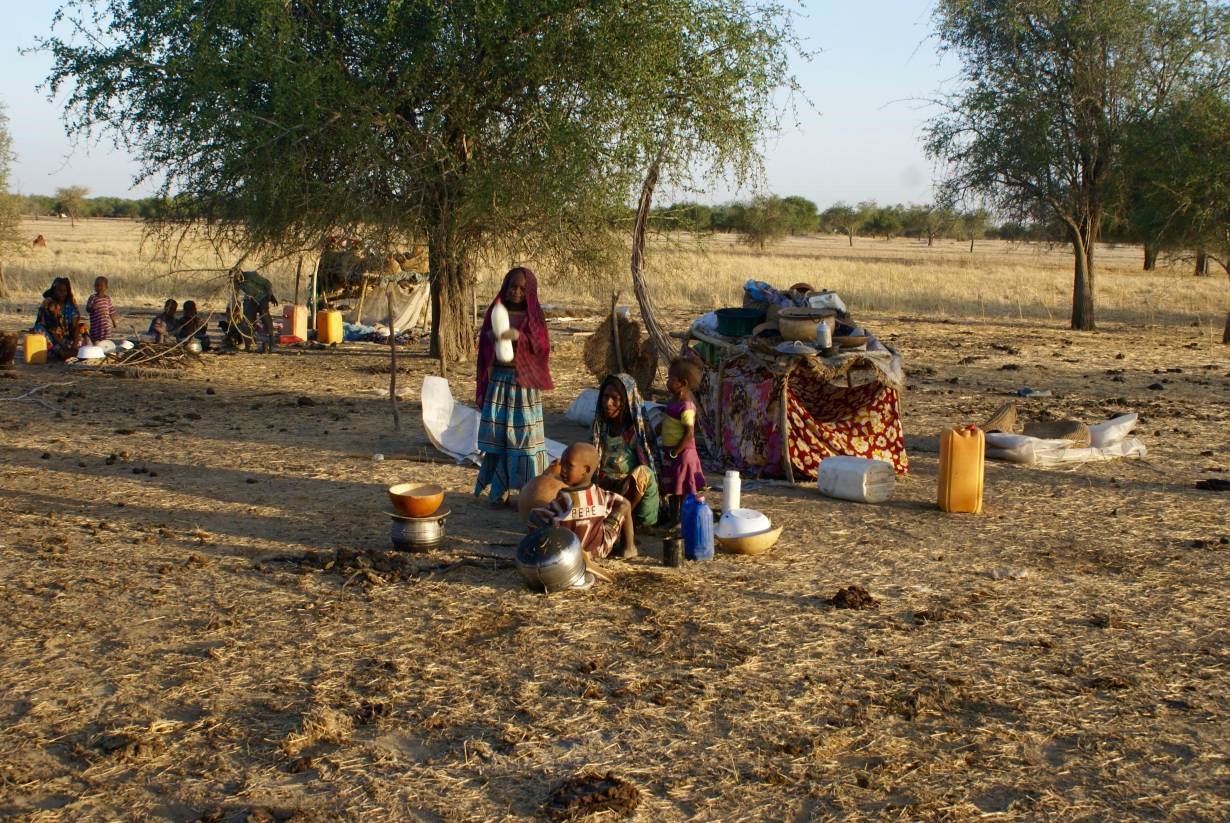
x=459, y=122
x=1049, y=92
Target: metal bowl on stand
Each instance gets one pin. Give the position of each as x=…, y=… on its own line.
x=417, y=534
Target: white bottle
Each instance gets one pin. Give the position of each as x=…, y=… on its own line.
x=731, y=488
x=500, y=325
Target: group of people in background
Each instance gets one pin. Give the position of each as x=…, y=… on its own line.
x=630, y=473
x=61, y=321
x=67, y=328
x=167, y=327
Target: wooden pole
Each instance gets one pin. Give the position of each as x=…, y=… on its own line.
x=298, y=276
x=619, y=355
x=393, y=363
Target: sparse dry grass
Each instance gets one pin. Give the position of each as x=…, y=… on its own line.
x=999, y=280
x=163, y=661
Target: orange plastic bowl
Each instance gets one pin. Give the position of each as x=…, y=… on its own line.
x=415, y=500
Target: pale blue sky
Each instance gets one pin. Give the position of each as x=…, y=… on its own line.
x=860, y=142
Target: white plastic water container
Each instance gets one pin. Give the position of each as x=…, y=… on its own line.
x=857, y=479
x=499, y=325
x=731, y=488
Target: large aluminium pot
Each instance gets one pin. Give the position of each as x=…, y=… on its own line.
x=416, y=534
x=551, y=559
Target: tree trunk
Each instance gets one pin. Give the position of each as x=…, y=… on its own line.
x=971, y=244
x=1202, y=263
x=1225, y=334
x=930, y=237
x=452, y=291
x=4, y=286
x=1082, y=283
x=1150, y=258
x=850, y=235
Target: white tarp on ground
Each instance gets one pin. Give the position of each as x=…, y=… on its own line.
x=453, y=428
x=1108, y=441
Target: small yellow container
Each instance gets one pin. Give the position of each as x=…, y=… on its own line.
x=35, y=348
x=329, y=327
x=295, y=321
x=961, y=469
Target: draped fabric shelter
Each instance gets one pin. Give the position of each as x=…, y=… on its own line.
x=770, y=415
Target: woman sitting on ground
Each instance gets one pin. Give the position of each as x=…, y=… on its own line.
x=626, y=448
x=163, y=325
x=191, y=324
x=60, y=321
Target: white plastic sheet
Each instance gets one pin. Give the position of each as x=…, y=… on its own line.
x=453, y=428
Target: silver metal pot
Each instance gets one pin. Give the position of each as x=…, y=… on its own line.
x=417, y=534
x=551, y=560
x=194, y=346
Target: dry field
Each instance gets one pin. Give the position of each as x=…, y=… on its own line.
x=999, y=280
x=192, y=631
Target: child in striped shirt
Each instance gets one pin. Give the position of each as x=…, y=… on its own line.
x=103, y=319
x=599, y=518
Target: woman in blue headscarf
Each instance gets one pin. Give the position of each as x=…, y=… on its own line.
x=626, y=449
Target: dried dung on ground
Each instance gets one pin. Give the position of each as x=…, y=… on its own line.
x=591, y=793
x=852, y=597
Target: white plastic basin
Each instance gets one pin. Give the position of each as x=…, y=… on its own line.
x=742, y=523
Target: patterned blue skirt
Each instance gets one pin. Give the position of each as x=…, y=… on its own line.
x=510, y=436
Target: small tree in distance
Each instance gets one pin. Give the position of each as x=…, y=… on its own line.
x=70, y=200
x=842, y=217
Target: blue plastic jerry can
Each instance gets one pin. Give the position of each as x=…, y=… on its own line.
x=696, y=523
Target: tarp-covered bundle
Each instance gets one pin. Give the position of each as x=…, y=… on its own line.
x=751, y=398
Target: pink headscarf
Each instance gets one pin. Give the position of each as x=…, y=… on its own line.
x=533, y=347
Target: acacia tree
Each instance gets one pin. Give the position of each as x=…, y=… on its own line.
x=8, y=203
x=764, y=220
x=1178, y=180
x=70, y=200
x=459, y=122
x=1048, y=90
x=842, y=217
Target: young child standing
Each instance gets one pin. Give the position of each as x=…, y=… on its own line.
x=681, y=470
x=103, y=319
x=599, y=518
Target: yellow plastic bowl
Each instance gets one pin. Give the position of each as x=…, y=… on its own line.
x=416, y=500
x=752, y=544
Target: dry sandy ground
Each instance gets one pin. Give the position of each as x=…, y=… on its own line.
x=1062, y=655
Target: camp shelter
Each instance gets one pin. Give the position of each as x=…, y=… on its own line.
x=769, y=414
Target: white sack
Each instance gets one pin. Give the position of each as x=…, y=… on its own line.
x=1034, y=451
x=1112, y=431
x=583, y=409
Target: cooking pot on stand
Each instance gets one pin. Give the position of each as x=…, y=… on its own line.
x=551, y=559
x=417, y=534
